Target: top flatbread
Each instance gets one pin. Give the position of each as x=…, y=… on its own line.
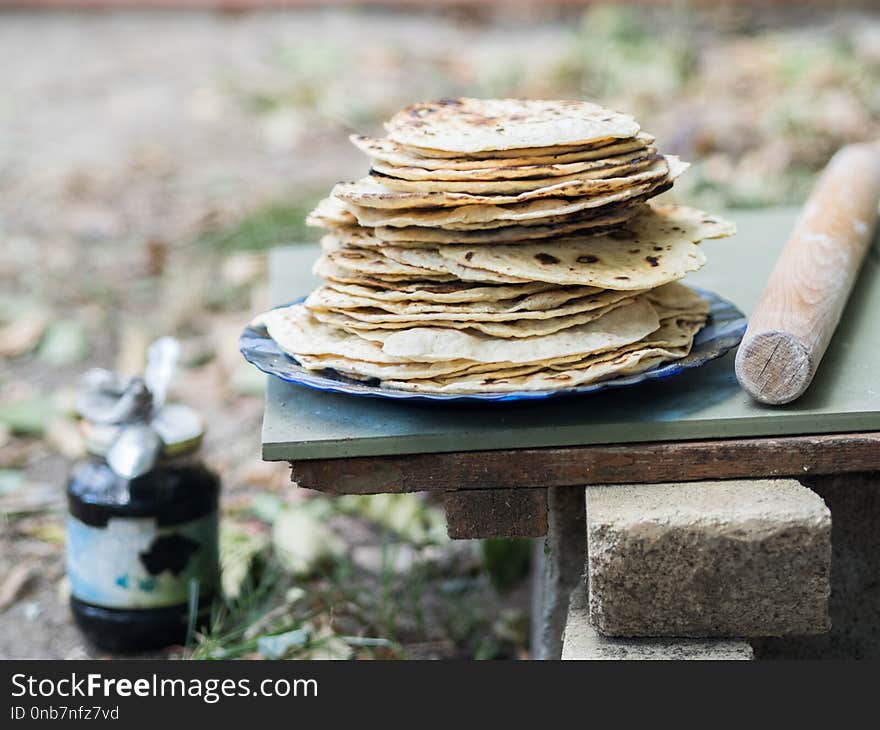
x=468, y=125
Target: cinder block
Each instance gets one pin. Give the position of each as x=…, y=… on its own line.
x=854, y=501
x=582, y=641
x=558, y=567
x=736, y=558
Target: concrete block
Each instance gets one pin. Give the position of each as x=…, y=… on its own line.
x=582, y=641
x=558, y=567
x=734, y=558
x=854, y=500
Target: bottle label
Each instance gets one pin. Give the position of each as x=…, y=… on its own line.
x=134, y=563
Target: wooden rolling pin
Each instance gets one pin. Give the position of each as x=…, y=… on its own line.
x=798, y=312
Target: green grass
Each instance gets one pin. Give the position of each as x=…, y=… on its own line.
x=340, y=609
x=276, y=224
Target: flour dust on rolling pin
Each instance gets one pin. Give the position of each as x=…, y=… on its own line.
x=806, y=294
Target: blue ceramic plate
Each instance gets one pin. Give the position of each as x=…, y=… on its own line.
x=723, y=332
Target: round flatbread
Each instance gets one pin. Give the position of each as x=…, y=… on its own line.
x=467, y=125
x=447, y=293
x=330, y=212
x=509, y=328
x=325, y=269
x=494, y=186
x=619, y=327
x=414, y=314
x=533, y=171
x=393, y=154
x=371, y=192
x=542, y=211
x=431, y=260
x=363, y=261
x=297, y=332
x=332, y=298
x=671, y=341
x=384, y=371
x=653, y=249
x=420, y=236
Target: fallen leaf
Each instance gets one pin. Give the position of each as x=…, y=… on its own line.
x=302, y=543
x=28, y=417
x=365, y=641
x=409, y=515
x=63, y=344
x=65, y=437
x=326, y=645
x=157, y=257
x=294, y=595
x=50, y=532
x=23, y=332
x=238, y=548
x=512, y=625
x=267, y=507
x=62, y=589
x=134, y=340
x=11, y=480
x=16, y=453
x=243, y=268
x=395, y=557
x=32, y=498
x=15, y=583
x=277, y=646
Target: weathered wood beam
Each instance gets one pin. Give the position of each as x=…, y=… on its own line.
x=637, y=463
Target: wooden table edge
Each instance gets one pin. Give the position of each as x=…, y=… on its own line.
x=630, y=463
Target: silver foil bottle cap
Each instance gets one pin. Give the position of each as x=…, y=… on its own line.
x=126, y=419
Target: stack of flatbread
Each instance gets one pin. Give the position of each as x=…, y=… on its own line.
x=502, y=245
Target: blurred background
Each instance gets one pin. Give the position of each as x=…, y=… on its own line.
x=149, y=158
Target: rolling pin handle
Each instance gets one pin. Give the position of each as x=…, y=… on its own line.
x=756, y=366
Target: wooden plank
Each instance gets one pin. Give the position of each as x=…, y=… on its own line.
x=481, y=513
x=641, y=463
x=301, y=423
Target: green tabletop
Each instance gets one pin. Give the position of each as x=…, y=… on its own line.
x=304, y=424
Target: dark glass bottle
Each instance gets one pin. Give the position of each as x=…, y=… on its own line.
x=142, y=551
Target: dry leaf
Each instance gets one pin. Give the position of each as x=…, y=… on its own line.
x=64, y=343
x=65, y=437
x=23, y=333
x=14, y=584
x=303, y=543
